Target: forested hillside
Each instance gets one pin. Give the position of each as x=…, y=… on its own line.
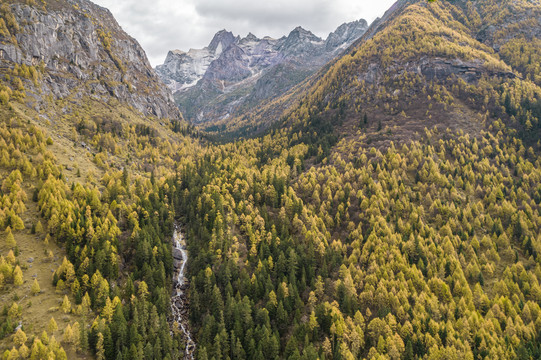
x=88, y=149
x=392, y=213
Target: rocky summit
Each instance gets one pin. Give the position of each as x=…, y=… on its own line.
x=234, y=73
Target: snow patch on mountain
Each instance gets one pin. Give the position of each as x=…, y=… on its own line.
x=182, y=70
x=242, y=68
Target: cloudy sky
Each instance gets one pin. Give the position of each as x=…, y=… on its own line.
x=163, y=25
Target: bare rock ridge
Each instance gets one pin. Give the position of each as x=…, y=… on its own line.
x=234, y=73
x=84, y=52
x=183, y=69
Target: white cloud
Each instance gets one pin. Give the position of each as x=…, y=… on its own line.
x=163, y=25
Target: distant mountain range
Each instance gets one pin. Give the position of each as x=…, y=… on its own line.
x=232, y=73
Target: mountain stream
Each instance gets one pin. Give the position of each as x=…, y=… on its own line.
x=179, y=300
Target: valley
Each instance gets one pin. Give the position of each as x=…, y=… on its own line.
x=179, y=300
x=233, y=74
x=384, y=202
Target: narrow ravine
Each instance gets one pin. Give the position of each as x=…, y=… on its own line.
x=179, y=300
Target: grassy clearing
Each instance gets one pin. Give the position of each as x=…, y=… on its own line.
x=34, y=258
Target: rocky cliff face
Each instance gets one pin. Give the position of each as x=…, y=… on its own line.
x=234, y=73
x=82, y=51
x=183, y=69
x=345, y=35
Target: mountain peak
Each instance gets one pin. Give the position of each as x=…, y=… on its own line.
x=262, y=67
x=299, y=40
x=301, y=33
x=251, y=37
x=221, y=41
x=346, y=33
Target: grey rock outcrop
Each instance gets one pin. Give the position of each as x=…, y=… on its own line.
x=433, y=68
x=346, y=34
x=183, y=69
x=233, y=73
x=84, y=51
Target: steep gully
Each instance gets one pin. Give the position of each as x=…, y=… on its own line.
x=179, y=300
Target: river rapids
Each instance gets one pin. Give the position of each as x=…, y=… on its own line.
x=179, y=300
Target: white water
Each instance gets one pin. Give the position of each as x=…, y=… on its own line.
x=179, y=306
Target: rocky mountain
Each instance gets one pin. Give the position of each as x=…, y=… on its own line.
x=80, y=109
x=392, y=212
x=183, y=69
x=234, y=73
x=81, y=51
x=402, y=183
x=482, y=60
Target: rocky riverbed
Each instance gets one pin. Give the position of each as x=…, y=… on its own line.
x=179, y=299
